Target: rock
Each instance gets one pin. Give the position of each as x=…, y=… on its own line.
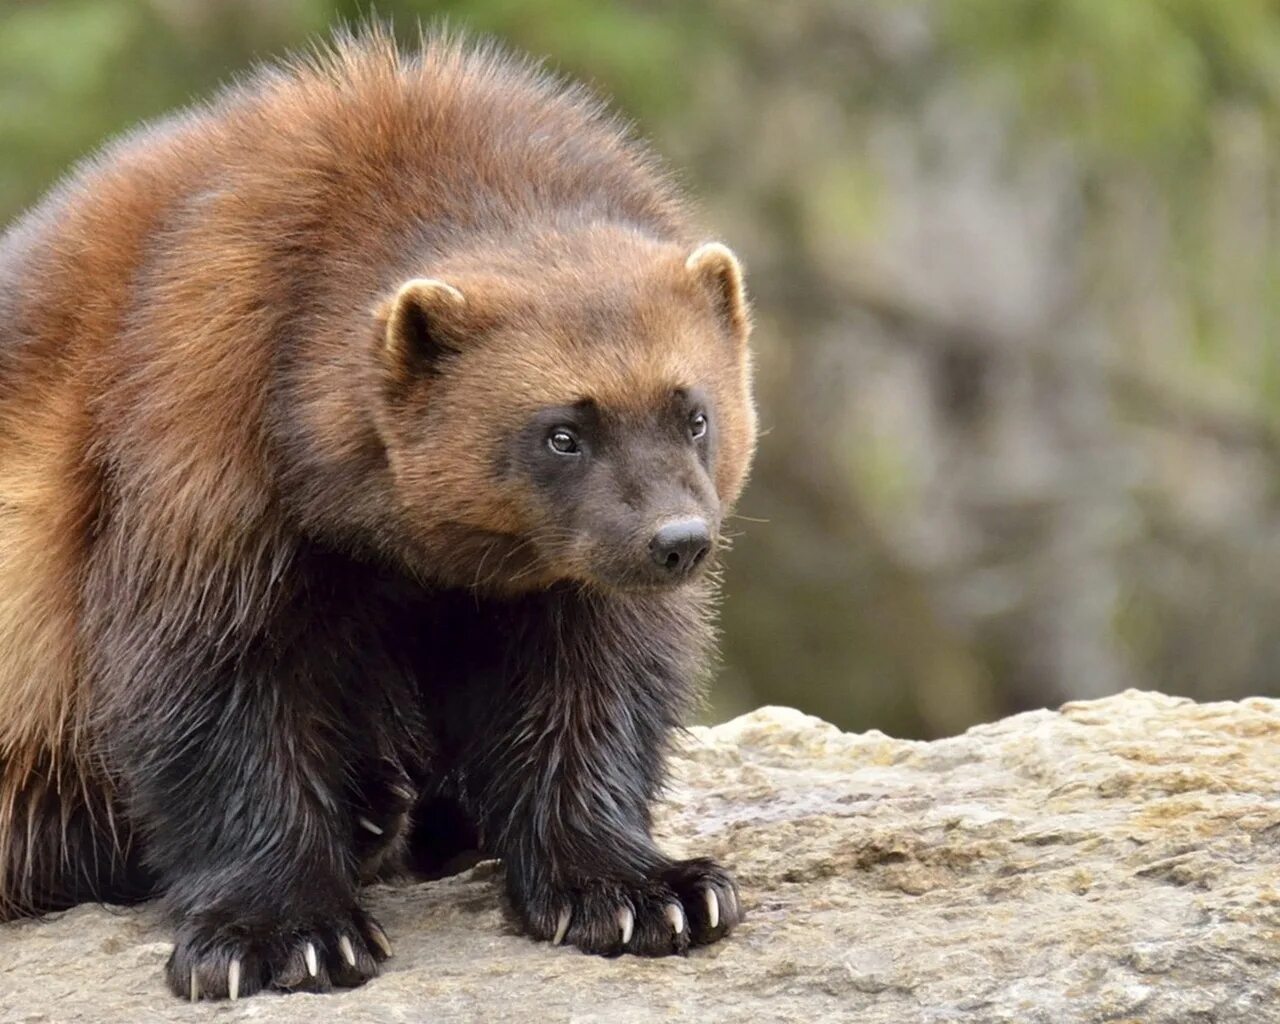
x=1117, y=860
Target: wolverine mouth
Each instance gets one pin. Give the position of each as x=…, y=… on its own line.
x=643, y=576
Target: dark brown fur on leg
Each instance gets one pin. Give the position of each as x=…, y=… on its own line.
x=581, y=692
x=248, y=791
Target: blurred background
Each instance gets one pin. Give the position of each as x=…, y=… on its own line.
x=1016, y=272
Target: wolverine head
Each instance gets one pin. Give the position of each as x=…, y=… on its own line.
x=575, y=407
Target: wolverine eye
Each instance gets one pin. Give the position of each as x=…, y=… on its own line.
x=698, y=425
x=562, y=441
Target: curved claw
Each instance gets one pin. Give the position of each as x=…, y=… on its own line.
x=562, y=926
x=348, y=953
x=366, y=824
x=233, y=979
x=379, y=939
x=675, y=915
x=713, y=907
x=309, y=954
x=627, y=923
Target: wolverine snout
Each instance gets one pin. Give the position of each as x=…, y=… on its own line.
x=679, y=547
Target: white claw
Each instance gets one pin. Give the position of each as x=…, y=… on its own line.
x=309, y=954
x=626, y=922
x=233, y=979
x=348, y=954
x=195, y=986
x=562, y=926
x=713, y=907
x=366, y=823
x=404, y=793
x=380, y=939
x=675, y=914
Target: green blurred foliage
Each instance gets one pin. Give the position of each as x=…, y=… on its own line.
x=815, y=131
x=1133, y=79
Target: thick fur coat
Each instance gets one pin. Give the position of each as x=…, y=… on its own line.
x=362, y=437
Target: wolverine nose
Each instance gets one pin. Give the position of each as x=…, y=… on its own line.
x=678, y=547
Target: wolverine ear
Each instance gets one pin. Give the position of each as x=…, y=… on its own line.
x=421, y=325
x=718, y=269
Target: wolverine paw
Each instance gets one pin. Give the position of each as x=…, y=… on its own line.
x=691, y=903
x=710, y=898
x=382, y=807
x=234, y=961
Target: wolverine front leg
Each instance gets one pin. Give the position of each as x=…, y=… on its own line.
x=598, y=686
x=234, y=763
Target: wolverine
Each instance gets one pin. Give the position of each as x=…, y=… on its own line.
x=366, y=439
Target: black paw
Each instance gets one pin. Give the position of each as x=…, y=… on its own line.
x=710, y=898
x=382, y=807
x=230, y=961
x=691, y=903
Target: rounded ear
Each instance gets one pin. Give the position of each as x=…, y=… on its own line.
x=717, y=269
x=421, y=326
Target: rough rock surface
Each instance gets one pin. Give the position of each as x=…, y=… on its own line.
x=1118, y=860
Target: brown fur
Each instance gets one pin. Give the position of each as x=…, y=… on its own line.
x=194, y=370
